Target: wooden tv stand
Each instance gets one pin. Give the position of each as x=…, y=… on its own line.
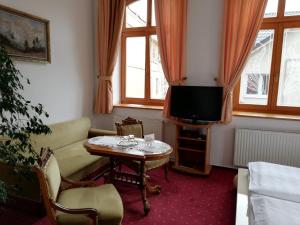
x=192, y=148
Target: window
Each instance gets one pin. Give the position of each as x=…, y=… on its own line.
x=142, y=78
x=270, y=81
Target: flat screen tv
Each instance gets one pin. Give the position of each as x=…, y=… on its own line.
x=196, y=103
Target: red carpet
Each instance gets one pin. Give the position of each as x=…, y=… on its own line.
x=183, y=200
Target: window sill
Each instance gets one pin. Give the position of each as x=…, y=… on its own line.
x=265, y=115
x=138, y=106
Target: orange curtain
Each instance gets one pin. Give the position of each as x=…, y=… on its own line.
x=171, y=22
x=110, y=21
x=242, y=20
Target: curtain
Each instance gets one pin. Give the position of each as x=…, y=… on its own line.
x=110, y=21
x=171, y=23
x=242, y=20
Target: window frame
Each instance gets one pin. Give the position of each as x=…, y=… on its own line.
x=146, y=32
x=278, y=24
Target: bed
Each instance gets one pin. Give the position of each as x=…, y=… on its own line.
x=270, y=196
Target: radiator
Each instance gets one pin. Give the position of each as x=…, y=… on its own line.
x=258, y=145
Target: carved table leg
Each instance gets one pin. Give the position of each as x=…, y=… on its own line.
x=111, y=176
x=143, y=188
x=153, y=189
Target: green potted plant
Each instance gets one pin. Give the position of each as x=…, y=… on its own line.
x=18, y=120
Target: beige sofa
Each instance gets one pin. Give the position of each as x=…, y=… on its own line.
x=66, y=140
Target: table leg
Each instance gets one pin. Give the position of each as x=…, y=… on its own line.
x=111, y=176
x=153, y=189
x=143, y=187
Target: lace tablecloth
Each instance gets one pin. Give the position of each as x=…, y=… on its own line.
x=139, y=147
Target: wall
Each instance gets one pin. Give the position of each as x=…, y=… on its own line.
x=64, y=87
x=203, y=53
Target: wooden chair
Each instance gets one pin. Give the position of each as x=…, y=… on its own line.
x=81, y=203
x=135, y=127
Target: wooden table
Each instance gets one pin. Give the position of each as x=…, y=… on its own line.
x=141, y=153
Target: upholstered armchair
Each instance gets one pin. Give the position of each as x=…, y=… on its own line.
x=131, y=126
x=82, y=202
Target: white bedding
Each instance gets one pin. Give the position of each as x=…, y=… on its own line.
x=274, y=180
x=273, y=211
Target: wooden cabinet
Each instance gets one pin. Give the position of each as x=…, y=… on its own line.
x=192, y=148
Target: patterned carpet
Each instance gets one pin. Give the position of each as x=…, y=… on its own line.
x=184, y=200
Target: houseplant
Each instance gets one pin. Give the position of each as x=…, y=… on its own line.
x=18, y=119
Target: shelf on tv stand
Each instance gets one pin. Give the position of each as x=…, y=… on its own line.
x=195, y=122
x=183, y=123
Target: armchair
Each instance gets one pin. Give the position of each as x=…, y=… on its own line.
x=81, y=203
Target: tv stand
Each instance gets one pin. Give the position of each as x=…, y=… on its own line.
x=192, y=148
x=196, y=122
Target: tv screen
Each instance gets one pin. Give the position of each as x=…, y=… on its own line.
x=200, y=103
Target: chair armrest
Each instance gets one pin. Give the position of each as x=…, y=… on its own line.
x=93, y=132
x=90, y=212
x=88, y=183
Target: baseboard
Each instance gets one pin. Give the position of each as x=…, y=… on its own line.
x=172, y=161
x=225, y=166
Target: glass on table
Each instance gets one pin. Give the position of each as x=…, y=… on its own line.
x=149, y=138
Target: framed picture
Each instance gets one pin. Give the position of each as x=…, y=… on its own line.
x=24, y=36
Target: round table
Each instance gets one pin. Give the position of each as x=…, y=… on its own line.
x=118, y=148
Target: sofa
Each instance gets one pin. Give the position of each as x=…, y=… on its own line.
x=66, y=140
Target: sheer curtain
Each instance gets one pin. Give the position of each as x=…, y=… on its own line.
x=110, y=21
x=171, y=22
x=242, y=20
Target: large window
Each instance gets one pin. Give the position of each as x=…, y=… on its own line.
x=142, y=78
x=270, y=81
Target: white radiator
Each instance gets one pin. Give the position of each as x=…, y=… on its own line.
x=257, y=145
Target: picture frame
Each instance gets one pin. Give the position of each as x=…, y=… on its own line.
x=24, y=36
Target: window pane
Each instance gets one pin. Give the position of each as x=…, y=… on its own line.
x=256, y=75
x=271, y=9
x=292, y=8
x=153, y=20
x=136, y=14
x=159, y=85
x=289, y=81
x=135, y=67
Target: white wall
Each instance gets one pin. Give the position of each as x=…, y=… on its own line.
x=203, y=53
x=64, y=87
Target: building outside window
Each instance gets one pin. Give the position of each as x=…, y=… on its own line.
x=142, y=77
x=270, y=81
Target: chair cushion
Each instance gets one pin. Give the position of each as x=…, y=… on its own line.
x=105, y=199
x=52, y=174
x=74, y=159
x=135, y=129
x=149, y=165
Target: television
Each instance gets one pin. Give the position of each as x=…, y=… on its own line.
x=196, y=103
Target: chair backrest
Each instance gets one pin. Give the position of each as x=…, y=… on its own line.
x=49, y=179
x=130, y=126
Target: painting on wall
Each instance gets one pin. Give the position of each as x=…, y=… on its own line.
x=24, y=36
